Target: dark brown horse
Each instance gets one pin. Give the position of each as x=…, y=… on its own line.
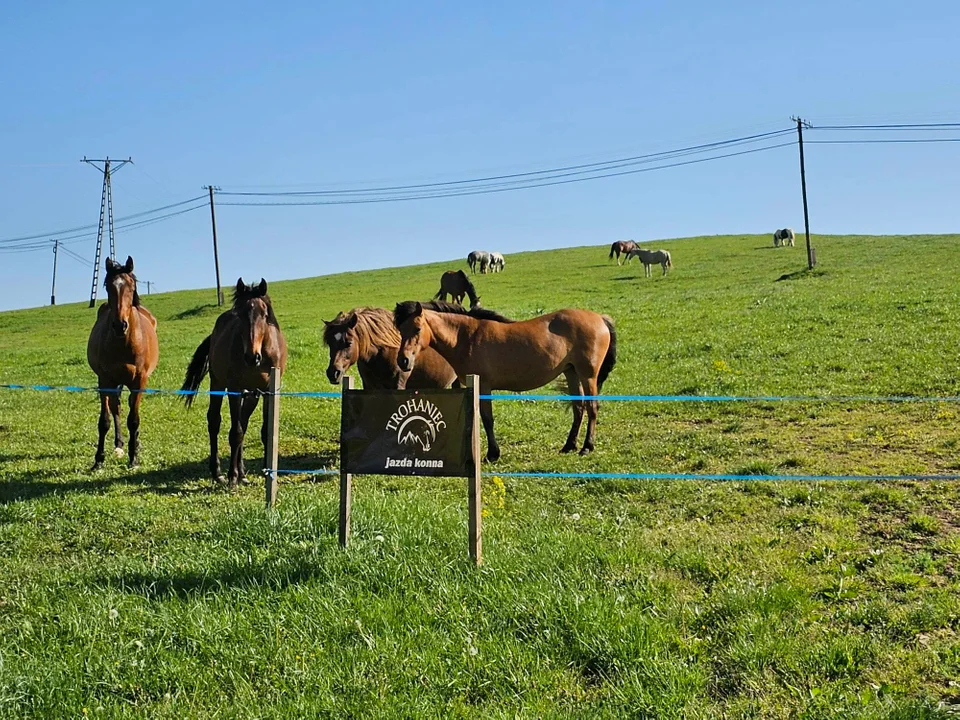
x=245, y=343
x=621, y=247
x=517, y=356
x=456, y=284
x=365, y=336
x=122, y=350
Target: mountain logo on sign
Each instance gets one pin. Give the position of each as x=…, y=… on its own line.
x=417, y=423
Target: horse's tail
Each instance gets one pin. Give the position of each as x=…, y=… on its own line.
x=610, y=359
x=196, y=370
x=613, y=249
x=439, y=295
x=669, y=259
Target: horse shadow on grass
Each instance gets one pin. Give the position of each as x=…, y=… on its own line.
x=185, y=478
x=198, y=311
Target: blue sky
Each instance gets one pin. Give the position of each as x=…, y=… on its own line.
x=341, y=95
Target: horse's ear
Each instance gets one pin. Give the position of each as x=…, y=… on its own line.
x=326, y=323
x=240, y=286
x=109, y=263
x=128, y=267
x=419, y=311
x=262, y=289
x=352, y=322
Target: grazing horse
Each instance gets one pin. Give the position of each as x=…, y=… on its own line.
x=456, y=284
x=651, y=257
x=497, y=262
x=517, y=356
x=478, y=259
x=365, y=336
x=245, y=343
x=621, y=247
x=784, y=237
x=122, y=350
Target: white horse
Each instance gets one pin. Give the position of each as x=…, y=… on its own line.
x=651, y=257
x=479, y=258
x=496, y=262
x=782, y=238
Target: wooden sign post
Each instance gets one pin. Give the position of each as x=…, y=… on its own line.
x=412, y=432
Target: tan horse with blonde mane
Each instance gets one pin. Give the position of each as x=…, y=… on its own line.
x=122, y=350
x=245, y=343
x=516, y=356
x=366, y=337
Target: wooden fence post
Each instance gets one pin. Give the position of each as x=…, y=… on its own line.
x=474, y=500
x=271, y=413
x=346, y=482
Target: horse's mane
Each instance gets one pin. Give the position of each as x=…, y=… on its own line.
x=113, y=272
x=251, y=292
x=374, y=327
x=405, y=310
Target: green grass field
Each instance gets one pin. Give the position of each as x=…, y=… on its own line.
x=145, y=593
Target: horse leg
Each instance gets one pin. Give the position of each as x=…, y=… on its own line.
x=573, y=388
x=114, y=405
x=102, y=426
x=248, y=406
x=236, y=440
x=213, y=429
x=593, y=408
x=133, y=423
x=486, y=415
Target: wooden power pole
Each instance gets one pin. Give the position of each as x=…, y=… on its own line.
x=216, y=253
x=811, y=253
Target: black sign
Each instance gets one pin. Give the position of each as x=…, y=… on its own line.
x=406, y=432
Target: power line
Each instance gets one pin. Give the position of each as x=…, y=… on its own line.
x=489, y=190
x=891, y=126
x=585, y=167
x=884, y=141
x=81, y=228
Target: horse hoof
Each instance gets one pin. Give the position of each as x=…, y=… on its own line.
x=98, y=465
x=244, y=481
x=586, y=450
x=493, y=457
x=134, y=462
x=568, y=448
x=118, y=451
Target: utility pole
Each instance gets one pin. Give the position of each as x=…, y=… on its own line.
x=216, y=254
x=53, y=288
x=106, y=216
x=148, y=283
x=811, y=253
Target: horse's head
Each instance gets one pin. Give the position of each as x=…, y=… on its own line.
x=122, y=297
x=414, y=333
x=341, y=337
x=252, y=306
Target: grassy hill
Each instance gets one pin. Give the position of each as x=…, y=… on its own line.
x=144, y=593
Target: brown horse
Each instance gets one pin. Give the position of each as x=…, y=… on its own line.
x=365, y=336
x=621, y=247
x=456, y=284
x=245, y=343
x=122, y=350
x=517, y=356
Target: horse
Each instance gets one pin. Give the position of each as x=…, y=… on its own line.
x=365, y=336
x=478, y=259
x=621, y=247
x=122, y=350
x=516, y=356
x=497, y=262
x=651, y=257
x=456, y=284
x=245, y=343
x=784, y=237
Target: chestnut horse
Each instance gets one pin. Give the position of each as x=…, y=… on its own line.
x=365, y=336
x=456, y=284
x=517, y=356
x=621, y=247
x=245, y=343
x=122, y=350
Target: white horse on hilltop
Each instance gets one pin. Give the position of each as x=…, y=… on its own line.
x=478, y=258
x=496, y=262
x=782, y=238
x=650, y=258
